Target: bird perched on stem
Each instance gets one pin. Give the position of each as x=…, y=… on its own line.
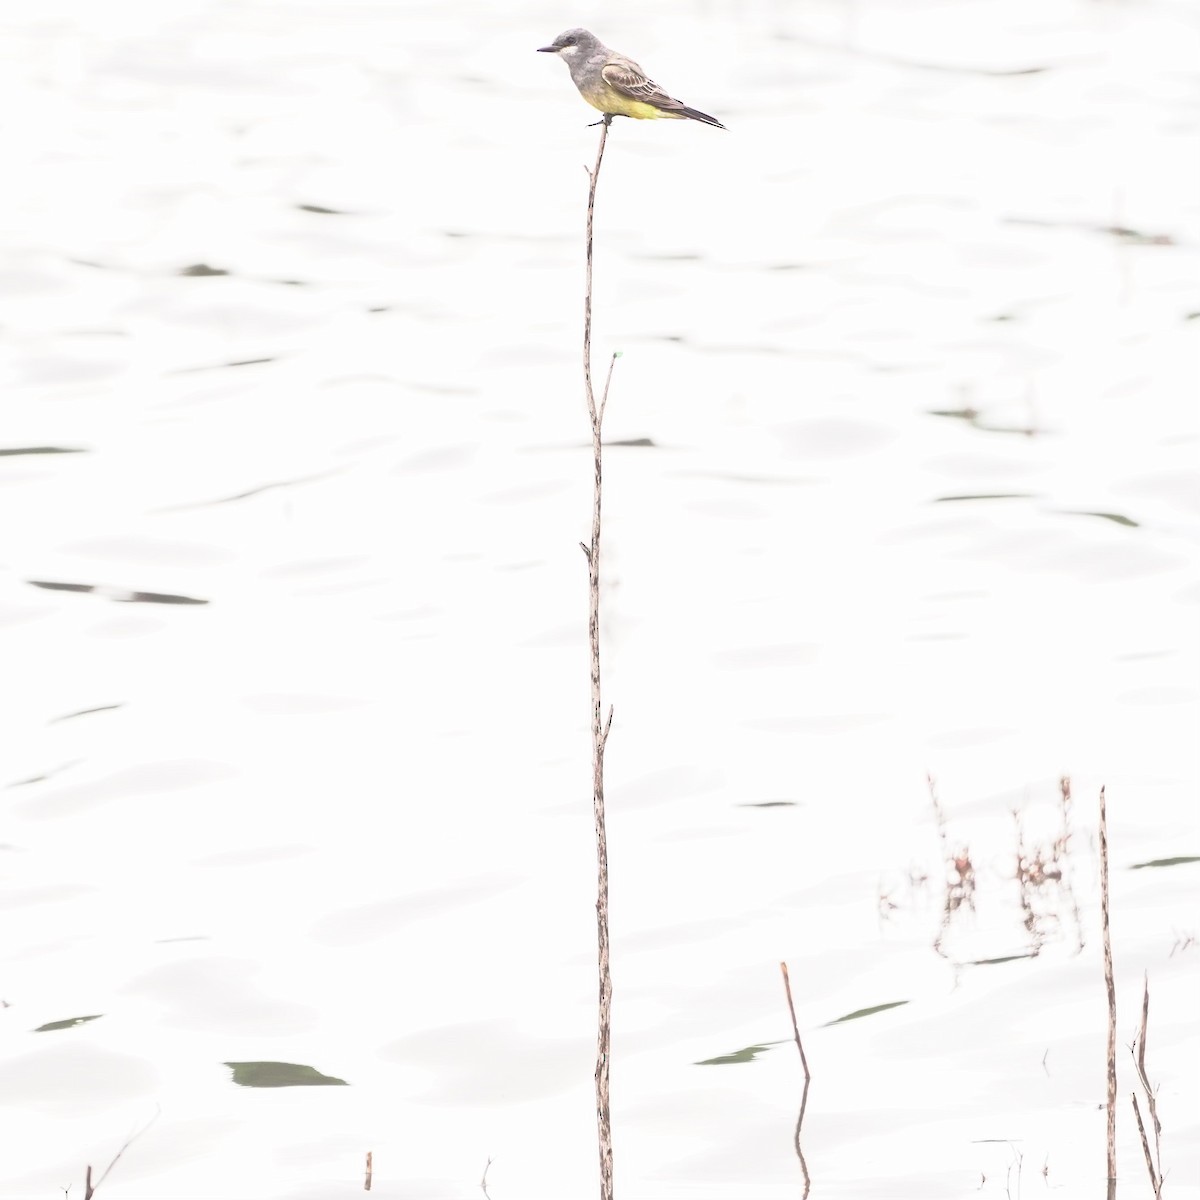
x=614, y=84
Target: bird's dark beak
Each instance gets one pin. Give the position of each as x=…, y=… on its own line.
x=547, y=49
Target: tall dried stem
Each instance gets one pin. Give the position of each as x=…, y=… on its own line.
x=600, y=724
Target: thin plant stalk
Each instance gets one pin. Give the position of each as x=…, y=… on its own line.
x=600, y=724
x=787, y=985
x=1064, y=844
x=1110, y=988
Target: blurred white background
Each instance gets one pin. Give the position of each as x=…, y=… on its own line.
x=298, y=288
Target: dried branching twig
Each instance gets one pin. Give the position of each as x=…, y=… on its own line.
x=787, y=985
x=960, y=871
x=1110, y=988
x=1043, y=880
x=370, y=1172
x=1153, y=1161
x=1031, y=874
x=600, y=725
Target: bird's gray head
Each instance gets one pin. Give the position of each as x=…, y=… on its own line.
x=575, y=44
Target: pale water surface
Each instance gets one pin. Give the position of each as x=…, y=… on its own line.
x=295, y=757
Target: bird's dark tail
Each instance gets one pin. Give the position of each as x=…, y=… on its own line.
x=704, y=118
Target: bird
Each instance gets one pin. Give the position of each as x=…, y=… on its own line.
x=616, y=85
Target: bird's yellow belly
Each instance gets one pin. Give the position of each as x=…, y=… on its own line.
x=623, y=106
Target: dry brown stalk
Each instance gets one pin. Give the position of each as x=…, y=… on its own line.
x=1110, y=988
x=1153, y=1162
x=1155, y=1183
x=370, y=1172
x=600, y=725
x=787, y=985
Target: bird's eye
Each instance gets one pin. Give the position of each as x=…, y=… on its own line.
x=569, y=42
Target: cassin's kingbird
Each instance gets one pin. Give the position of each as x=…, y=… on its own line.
x=614, y=84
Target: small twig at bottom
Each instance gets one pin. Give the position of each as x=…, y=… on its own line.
x=90, y=1187
x=1110, y=988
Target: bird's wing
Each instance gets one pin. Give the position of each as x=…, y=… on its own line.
x=630, y=80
